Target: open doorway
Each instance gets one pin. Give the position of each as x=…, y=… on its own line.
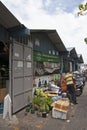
x=4, y=69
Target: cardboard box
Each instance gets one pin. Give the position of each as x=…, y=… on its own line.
x=62, y=105
x=3, y=93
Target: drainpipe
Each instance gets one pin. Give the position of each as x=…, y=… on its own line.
x=74, y=65
x=77, y=66
x=10, y=70
x=61, y=64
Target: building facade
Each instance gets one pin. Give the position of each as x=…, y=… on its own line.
x=16, y=77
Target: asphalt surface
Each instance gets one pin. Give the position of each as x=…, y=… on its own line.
x=76, y=119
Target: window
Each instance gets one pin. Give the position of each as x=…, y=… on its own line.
x=57, y=53
x=53, y=52
x=49, y=51
x=37, y=42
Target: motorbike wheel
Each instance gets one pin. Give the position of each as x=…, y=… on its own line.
x=78, y=93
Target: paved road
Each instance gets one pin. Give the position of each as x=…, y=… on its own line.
x=77, y=117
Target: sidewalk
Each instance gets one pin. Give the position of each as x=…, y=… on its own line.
x=23, y=121
x=77, y=119
x=27, y=121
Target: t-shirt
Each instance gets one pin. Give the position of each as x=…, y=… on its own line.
x=69, y=79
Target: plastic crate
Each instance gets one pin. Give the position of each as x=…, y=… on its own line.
x=1, y=108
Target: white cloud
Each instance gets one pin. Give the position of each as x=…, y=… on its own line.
x=71, y=28
x=47, y=3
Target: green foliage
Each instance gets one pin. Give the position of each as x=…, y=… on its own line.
x=85, y=40
x=36, y=100
x=85, y=6
x=42, y=101
x=81, y=7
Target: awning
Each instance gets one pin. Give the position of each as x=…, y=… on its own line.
x=10, y=22
x=7, y=19
x=72, y=52
x=54, y=37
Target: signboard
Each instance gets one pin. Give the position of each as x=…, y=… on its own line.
x=44, y=57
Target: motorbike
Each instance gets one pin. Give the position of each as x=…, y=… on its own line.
x=79, y=85
x=79, y=88
x=79, y=77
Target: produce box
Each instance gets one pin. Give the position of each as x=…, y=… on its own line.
x=3, y=93
x=58, y=114
x=61, y=105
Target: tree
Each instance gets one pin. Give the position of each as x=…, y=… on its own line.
x=85, y=39
x=82, y=10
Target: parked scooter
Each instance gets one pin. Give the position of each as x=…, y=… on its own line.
x=79, y=88
x=79, y=77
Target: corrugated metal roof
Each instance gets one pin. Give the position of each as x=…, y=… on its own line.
x=72, y=52
x=7, y=19
x=80, y=58
x=54, y=37
x=70, y=48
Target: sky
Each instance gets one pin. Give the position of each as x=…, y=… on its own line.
x=54, y=14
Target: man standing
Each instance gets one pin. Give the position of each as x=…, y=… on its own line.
x=70, y=87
